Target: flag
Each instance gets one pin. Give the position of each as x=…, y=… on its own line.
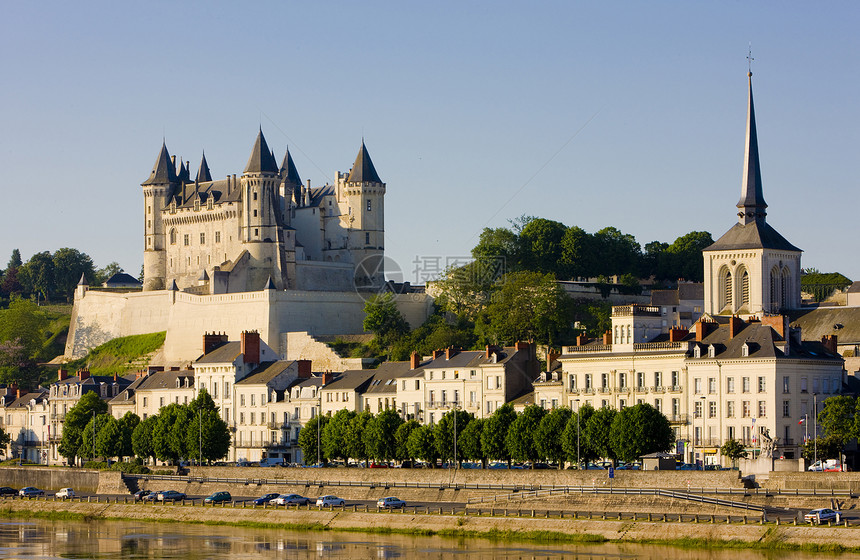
x=802, y=420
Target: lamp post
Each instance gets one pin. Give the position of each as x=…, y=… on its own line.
x=200, y=426
x=815, y=427
x=578, y=460
x=94, y=434
x=702, y=437
x=319, y=418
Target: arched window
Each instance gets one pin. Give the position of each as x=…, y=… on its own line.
x=775, y=283
x=725, y=293
x=784, y=288
x=745, y=288
x=172, y=236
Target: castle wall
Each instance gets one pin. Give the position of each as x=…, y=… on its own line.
x=319, y=275
x=302, y=346
x=101, y=316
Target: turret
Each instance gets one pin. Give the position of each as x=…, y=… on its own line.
x=157, y=190
x=365, y=194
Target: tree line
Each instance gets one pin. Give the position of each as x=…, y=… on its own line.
x=559, y=435
x=178, y=431
x=50, y=276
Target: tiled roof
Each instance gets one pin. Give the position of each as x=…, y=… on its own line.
x=754, y=235
x=226, y=353
x=266, y=372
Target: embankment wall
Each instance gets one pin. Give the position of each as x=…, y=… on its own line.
x=52, y=479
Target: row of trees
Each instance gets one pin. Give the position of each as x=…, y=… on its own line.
x=559, y=435
x=179, y=431
x=547, y=246
x=51, y=277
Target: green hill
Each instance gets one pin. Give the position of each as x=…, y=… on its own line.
x=120, y=355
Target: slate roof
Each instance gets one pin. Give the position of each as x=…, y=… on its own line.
x=817, y=322
x=470, y=358
x=203, y=175
x=751, y=195
x=854, y=287
x=123, y=279
x=24, y=400
x=754, y=235
x=163, y=379
x=691, y=291
x=352, y=380
x=163, y=171
x=363, y=170
x=265, y=372
x=760, y=340
x=664, y=297
x=226, y=353
x=261, y=160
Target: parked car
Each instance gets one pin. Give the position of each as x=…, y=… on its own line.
x=291, y=499
x=217, y=498
x=65, y=493
x=141, y=495
x=30, y=492
x=272, y=462
x=265, y=498
x=390, y=503
x=830, y=465
x=821, y=514
x=170, y=496
x=150, y=496
x=329, y=501
x=8, y=491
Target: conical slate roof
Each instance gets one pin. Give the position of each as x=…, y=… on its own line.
x=288, y=170
x=261, y=160
x=203, y=175
x=751, y=204
x=163, y=171
x=363, y=170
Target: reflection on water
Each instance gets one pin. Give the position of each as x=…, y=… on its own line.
x=108, y=539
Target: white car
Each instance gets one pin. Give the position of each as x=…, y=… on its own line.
x=390, y=503
x=65, y=493
x=329, y=501
x=820, y=515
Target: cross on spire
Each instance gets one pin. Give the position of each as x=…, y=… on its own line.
x=750, y=59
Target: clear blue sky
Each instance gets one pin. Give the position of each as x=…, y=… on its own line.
x=628, y=114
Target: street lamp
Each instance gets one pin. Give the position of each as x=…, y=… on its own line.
x=578, y=460
x=815, y=427
x=319, y=415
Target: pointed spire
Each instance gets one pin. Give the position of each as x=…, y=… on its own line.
x=203, y=175
x=290, y=176
x=173, y=287
x=163, y=171
x=269, y=284
x=751, y=205
x=184, y=173
x=261, y=160
x=83, y=281
x=362, y=170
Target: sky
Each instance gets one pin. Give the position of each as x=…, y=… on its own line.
x=595, y=114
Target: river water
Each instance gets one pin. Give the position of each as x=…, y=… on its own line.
x=45, y=540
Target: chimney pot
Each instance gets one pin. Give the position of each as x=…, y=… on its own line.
x=414, y=360
x=63, y=374
x=251, y=347
x=607, y=338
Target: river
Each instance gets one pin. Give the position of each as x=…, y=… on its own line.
x=45, y=540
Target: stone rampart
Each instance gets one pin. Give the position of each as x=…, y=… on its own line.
x=51, y=479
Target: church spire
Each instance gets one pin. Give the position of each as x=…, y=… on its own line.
x=751, y=206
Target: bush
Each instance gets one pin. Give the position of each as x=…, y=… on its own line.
x=97, y=465
x=14, y=463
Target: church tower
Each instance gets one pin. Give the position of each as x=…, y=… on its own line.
x=157, y=190
x=364, y=192
x=751, y=269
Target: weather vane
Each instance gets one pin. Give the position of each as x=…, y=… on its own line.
x=750, y=59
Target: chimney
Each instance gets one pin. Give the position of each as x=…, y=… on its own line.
x=115, y=377
x=414, y=360
x=304, y=368
x=677, y=334
x=829, y=342
x=18, y=393
x=581, y=339
x=63, y=374
x=213, y=341
x=735, y=326
x=520, y=345
x=607, y=338
x=703, y=329
x=551, y=356
x=84, y=374
x=438, y=354
x=327, y=378
x=450, y=352
x=174, y=368
x=491, y=349
x=251, y=347
x=778, y=323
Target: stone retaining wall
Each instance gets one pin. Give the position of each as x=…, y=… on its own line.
x=51, y=479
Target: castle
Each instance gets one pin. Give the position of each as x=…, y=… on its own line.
x=258, y=252
x=238, y=234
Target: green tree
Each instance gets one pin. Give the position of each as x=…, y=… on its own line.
x=822, y=448
x=22, y=335
x=597, y=431
x=167, y=437
x=141, y=438
x=577, y=254
x=69, y=265
x=495, y=433
x=380, y=435
x=382, y=318
x=500, y=246
x=127, y=425
x=422, y=444
x=521, y=435
x=733, y=450
x=469, y=442
x=686, y=258
x=89, y=441
x=15, y=260
x=639, y=430
x=546, y=438
x=5, y=438
x=76, y=420
x=527, y=306
x=109, y=438
x=104, y=274
x=573, y=438
x=310, y=433
x=401, y=438
x=208, y=433
x=355, y=436
x=335, y=433
x=37, y=275
x=540, y=243
x=837, y=417
x=466, y=290
x=619, y=252
x=445, y=430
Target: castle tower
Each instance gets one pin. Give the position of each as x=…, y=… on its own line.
x=364, y=192
x=751, y=269
x=157, y=190
x=291, y=185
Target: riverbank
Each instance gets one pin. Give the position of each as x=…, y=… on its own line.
x=522, y=528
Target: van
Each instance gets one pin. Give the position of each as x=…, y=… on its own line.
x=272, y=462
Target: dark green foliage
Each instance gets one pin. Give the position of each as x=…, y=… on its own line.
x=401, y=438
x=5, y=438
x=355, y=447
x=822, y=285
x=838, y=417
x=334, y=435
x=22, y=336
x=520, y=440
x=445, y=430
x=469, y=443
x=734, y=450
x=168, y=436
x=79, y=416
x=822, y=448
x=310, y=434
x=108, y=438
x=495, y=433
x=379, y=436
x=127, y=425
x=597, y=430
x=142, y=438
x=639, y=430
x=573, y=439
x=69, y=265
x=549, y=444
x=422, y=444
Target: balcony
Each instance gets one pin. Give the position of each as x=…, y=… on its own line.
x=588, y=390
x=658, y=389
x=675, y=389
x=635, y=310
x=641, y=390
x=621, y=390
x=604, y=390
x=588, y=348
x=278, y=425
x=58, y=417
x=679, y=418
x=655, y=346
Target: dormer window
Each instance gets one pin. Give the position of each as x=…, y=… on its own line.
x=711, y=351
x=196, y=204
x=745, y=350
x=697, y=352
x=209, y=204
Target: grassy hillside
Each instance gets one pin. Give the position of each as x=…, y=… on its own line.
x=119, y=355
